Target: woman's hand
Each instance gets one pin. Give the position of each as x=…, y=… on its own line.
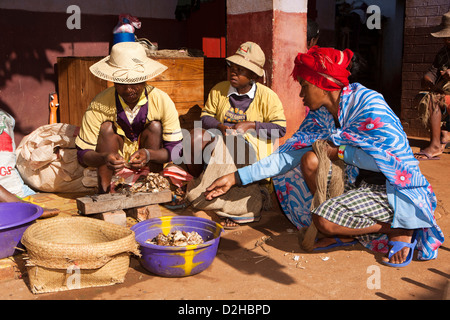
x=220, y=186
x=332, y=151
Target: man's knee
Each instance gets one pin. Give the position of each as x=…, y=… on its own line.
x=107, y=128
x=200, y=137
x=151, y=137
x=155, y=127
x=108, y=140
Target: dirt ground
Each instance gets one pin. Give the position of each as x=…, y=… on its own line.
x=280, y=270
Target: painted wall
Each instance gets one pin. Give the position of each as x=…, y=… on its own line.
x=145, y=9
x=34, y=34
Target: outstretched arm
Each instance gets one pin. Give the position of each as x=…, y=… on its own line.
x=220, y=186
x=6, y=196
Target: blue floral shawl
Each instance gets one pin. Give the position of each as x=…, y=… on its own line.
x=367, y=122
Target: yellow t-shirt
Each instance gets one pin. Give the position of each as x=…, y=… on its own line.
x=265, y=107
x=103, y=108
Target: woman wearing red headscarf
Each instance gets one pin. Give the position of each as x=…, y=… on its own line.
x=387, y=203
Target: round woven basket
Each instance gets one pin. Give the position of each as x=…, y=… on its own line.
x=99, y=249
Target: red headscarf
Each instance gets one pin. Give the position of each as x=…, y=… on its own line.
x=326, y=68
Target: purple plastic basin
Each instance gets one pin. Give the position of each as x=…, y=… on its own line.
x=174, y=261
x=15, y=218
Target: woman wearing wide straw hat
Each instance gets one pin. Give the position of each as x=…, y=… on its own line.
x=243, y=108
x=386, y=202
x=130, y=124
x=435, y=105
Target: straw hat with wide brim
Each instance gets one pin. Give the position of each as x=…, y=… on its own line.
x=444, y=31
x=128, y=63
x=250, y=56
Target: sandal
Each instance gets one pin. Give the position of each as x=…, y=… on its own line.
x=176, y=203
x=422, y=155
x=396, y=247
x=178, y=199
x=339, y=243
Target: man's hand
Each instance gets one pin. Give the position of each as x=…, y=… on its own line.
x=115, y=162
x=220, y=186
x=139, y=159
x=427, y=84
x=446, y=74
x=223, y=128
x=244, y=126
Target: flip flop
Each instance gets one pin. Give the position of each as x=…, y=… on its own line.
x=339, y=243
x=176, y=204
x=396, y=247
x=427, y=156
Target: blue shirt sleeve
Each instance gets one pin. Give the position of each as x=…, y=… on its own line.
x=273, y=165
x=359, y=158
x=280, y=163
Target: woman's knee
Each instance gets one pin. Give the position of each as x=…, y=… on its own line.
x=323, y=225
x=309, y=163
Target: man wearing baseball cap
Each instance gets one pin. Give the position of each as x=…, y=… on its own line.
x=241, y=109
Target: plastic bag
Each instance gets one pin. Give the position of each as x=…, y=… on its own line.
x=47, y=159
x=127, y=24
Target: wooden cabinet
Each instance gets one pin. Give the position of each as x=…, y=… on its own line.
x=77, y=86
x=183, y=81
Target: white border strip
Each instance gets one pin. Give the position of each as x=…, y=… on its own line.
x=161, y=9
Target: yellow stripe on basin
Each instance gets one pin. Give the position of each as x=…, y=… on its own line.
x=188, y=256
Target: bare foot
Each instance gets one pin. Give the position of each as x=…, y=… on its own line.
x=430, y=152
x=50, y=212
x=229, y=224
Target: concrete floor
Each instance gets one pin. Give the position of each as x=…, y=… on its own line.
x=278, y=270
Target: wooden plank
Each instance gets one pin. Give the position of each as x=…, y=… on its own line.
x=74, y=90
x=116, y=201
x=77, y=86
x=181, y=69
x=88, y=87
x=118, y=217
x=184, y=108
x=215, y=71
x=188, y=118
x=63, y=90
x=145, y=213
x=181, y=90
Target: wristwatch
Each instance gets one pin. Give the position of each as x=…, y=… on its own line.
x=341, y=151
